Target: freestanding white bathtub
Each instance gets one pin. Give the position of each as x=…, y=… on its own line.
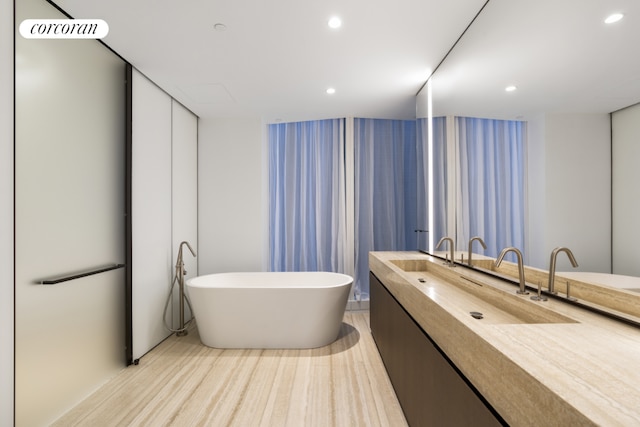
x=269, y=310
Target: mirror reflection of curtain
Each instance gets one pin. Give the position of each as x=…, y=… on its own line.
x=386, y=170
x=491, y=182
x=307, y=196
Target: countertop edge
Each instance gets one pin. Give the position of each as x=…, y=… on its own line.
x=513, y=391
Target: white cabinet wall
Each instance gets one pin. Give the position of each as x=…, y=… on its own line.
x=184, y=192
x=164, y=206
x=150, y=211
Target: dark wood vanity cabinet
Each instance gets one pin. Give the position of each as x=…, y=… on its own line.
x=430, y=389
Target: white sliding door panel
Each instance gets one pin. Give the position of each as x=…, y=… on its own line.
x=625, y=178
x=70, y=172
x=6, y=213
x=185, y=193
x=152, y=258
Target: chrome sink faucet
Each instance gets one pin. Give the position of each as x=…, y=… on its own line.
x=479, y=239
x=451, y=248
x=552, y=266
x=522, y=289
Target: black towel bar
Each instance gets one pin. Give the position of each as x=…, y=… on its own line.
x=74, y=276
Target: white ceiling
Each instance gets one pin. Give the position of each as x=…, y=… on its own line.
x=277, y=57
x=561, y=56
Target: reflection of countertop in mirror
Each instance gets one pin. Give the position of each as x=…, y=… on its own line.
x=619, y=281
x=459, y=255
x=579, y=369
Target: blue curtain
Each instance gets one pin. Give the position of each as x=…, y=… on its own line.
x=307, y=189
x=307, y=196
x=491, y=182
x=386, y=191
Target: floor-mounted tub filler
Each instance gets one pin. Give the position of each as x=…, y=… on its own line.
x=269, y=310
x=178, y=279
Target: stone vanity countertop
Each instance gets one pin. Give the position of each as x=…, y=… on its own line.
x=574, y=368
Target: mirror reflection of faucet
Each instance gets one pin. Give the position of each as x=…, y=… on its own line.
x=479, y=239
x=552, y=267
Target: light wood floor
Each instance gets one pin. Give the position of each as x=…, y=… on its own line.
x=184, y=383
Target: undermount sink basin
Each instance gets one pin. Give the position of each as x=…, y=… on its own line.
x=497, y=306
x=413, y=264
x=506, y=307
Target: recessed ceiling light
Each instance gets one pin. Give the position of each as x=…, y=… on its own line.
x=220, y=27
x=331, y=91
x=614, y=17
x=335, y=22
x=510, y=88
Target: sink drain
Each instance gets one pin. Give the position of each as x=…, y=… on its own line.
x=476, y=314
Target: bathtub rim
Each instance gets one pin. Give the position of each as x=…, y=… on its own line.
x=207, y=280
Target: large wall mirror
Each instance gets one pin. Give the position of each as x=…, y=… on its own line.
x=570, y=71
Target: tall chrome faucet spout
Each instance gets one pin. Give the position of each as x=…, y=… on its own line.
x=552, y=266
x=479, y=239
x=451, y=248
x=522, y=289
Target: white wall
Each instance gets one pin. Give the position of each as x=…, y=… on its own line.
x=231, y=206
x=6, y=213
x=535, y=253
x=576, y=209
x=626, y=203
